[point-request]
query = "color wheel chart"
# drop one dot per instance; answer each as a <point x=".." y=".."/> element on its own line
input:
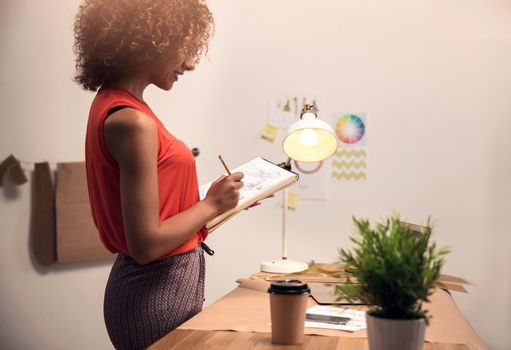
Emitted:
<point x="350" y="161"/>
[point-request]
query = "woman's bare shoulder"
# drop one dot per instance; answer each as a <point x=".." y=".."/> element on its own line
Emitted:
<point x="128" y="133"/>
<point x="129" y="120"/>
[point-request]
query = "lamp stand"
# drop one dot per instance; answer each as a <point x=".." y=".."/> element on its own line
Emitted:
<point x="284" y="265"/>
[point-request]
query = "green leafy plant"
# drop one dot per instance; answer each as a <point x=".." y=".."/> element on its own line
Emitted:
<point x="396" y="269"/>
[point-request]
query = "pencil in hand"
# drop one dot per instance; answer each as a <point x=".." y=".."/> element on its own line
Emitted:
<point x="225" y="165"/>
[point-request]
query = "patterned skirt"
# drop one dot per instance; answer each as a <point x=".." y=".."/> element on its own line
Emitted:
<point x="145" y="302"/>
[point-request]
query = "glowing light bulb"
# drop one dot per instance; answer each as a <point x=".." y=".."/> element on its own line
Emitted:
<point x="308" y="137"/>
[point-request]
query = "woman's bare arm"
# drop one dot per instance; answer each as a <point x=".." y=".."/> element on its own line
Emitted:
<point x="131" y="138"/>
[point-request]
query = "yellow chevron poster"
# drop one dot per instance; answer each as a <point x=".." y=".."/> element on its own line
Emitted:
<point x="350" y="161"/>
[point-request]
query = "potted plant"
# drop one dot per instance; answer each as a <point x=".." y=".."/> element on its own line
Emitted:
<point x="396" y="270"/>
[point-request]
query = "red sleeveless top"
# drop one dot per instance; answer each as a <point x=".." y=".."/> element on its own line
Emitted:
<point x="177" y="177"/>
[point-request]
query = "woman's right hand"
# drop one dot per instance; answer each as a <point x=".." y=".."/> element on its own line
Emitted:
<point x="224" y="192"/>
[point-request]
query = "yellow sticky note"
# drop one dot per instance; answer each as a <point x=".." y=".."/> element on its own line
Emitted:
<point x="292" y="200"/>
<point x="270" y="132"/>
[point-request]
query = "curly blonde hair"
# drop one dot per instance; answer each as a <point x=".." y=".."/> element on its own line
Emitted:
<point x="118" y="37"/>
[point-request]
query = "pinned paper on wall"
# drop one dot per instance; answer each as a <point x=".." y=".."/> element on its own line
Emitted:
<point x="314" y="180"/>
<point x="292" y="200"/>
<point x="270" y="132"/>
<point x="286" y="106"/>
<point x="350" y="161"/>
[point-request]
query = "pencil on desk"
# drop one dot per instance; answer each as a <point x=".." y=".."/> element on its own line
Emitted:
<point x="225" y="165"/>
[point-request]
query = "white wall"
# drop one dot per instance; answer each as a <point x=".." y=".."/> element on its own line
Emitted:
<point x="434" y="76"/>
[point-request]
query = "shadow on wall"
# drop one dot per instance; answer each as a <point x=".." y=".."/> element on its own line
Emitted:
<point x="10" y="190"/>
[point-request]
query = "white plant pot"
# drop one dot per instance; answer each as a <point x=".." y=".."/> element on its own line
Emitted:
<point x="392" y="334"/>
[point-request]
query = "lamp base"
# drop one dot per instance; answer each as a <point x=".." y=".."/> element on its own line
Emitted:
<point x="283" y="266"/>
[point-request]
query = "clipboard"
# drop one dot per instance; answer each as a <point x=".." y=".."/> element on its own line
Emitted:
<point x="262" y="179"/>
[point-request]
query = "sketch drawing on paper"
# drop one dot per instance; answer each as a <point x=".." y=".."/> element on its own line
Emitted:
<point x="261" y="179"/>
<point x="258" y="175"/>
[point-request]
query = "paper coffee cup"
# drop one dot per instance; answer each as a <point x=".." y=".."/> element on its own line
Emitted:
<point x="288" y="304"/>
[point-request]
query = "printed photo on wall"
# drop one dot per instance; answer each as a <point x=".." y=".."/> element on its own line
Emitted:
<point x="350" y="161"/>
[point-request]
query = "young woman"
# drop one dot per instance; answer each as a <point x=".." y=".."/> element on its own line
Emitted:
<point x="142" y="180"/>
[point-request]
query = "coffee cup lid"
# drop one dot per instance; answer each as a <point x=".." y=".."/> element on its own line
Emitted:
<point x="288" y="287"/>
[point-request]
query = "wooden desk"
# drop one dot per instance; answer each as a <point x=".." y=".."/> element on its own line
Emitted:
<point x="228" y="340"/>
<point x="239" y="321"/>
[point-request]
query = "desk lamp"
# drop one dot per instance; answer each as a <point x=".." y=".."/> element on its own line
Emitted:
<point x="307" y="140"/>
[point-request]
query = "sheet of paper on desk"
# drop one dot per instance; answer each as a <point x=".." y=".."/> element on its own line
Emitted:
<point x="357" y="322"/>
